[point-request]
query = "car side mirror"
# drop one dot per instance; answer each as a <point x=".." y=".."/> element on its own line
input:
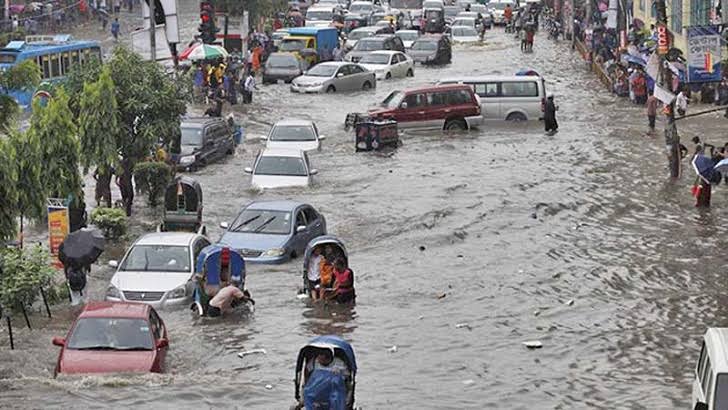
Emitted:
<point x="59" y="341"/>
<point x="339" y="74"/>
<point x="114" y="263"/>
<point x="224" y="225"/>
<point x="313" y="171"/>
<point x="162" y="343"/>
<point x="322" y="137"/>
<point x="700" y="406"/>
<point x="248" y="170"/>
<point x="300" y="229"/>
<point x="403" y="105"/>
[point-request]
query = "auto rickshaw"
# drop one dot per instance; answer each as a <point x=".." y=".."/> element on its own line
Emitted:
<point x="216" y="267"/>
<point x="338" y="250"/>
<point x="183" y="206"/>
<point x="354" y="21"/>
<point x="329" y="386"/>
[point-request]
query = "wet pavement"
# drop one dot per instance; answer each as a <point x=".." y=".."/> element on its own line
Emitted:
<point x="505" y="222"/>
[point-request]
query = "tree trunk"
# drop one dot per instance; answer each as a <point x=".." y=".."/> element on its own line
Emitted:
<point x="124" y="180"/>
<point x="22" y="222"/>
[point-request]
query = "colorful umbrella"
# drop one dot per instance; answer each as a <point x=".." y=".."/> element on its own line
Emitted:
<point x="201" y="51"/>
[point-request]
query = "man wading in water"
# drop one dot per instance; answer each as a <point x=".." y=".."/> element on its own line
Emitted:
<point x="549" y="116"/>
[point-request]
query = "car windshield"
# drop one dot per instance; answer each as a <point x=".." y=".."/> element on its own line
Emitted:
<point x="322" y="70"/>
<point x="498" y="6"/>
<point x="285" y="166"/>
<point x="451" y="11"/>
<point x="375" y="59"/>
<point x="408" y="35"/>
<point x="425" y="45"/>
<point x="433" y="14"/>
<point x="367" y="44"/>
<point x="111" y="334"/>
<point x="321" y="15"/>
<point x="361" y="8"/>
<point x="292" y="133"/>
<point x="292" y="45"/>
<point x="262" y="221"/>
<point x="393" y="99"/>
<point x="405" y="4"/>
<point x="464" y="22"/>
<point x="464" y="32"/>
<point x="478" y="8"/>
<point x="359" y="34"/>
<point x="191" y="136"/>
<point x="157" y="258"/>
<point x="279" y="35"/>
<point x="281" y="61"/>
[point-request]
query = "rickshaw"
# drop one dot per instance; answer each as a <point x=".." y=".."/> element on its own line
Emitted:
<point x="321" y="242"/>
<point x="216" y="267"/>
<point x="331" y="387"/>
<point x="376" y="134"/>
<point x="182" y="206"/>
<point x="354" y="21"/>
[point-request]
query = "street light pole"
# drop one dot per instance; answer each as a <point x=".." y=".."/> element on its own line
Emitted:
<point x="672" y="139"/>
<point x="152" y="31"/>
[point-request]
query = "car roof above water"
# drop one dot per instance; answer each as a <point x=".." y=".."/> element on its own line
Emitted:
<point x="281" y="152"/>
<point x="167" y="238"/>
<point x="280" y="205"/>
<point x="295" y="122"/>
<point x="101" y="309"/>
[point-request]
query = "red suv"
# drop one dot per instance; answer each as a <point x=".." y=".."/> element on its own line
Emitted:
<point x="448" y="107"/>
<point x="114" y="337"/>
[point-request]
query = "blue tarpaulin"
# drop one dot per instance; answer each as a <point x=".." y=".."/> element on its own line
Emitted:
<point x="325" y="390"/>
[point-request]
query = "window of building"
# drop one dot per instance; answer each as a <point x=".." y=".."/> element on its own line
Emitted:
<point x="676" y="10"/>
<point x="699" y="12"/>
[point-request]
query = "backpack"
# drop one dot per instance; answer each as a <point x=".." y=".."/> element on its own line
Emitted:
<point x="76" y="280"/>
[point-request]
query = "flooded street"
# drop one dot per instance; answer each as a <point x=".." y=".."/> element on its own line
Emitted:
<point x="504" y="222"/>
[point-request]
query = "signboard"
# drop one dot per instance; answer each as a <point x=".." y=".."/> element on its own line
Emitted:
<point x="663" y="95"/>
<point x="663" y="40"/>
<point x="166" y="15"/>
<point x="140" y="44"/>
<point x="704" y="54"/>
<point x="58" y="227"/>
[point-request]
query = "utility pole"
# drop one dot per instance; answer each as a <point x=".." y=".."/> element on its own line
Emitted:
<point x="672" y="139"/>
<point x="152" y="31"/>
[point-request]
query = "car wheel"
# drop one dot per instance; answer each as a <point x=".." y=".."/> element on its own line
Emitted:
<point x="516" y="117"/>
<point x="388" y="76"/>
<point x="367" y="85"/>
<point x="456" y="124"/>
<point x="331" y="89"/>
<point x="410" y="73"/>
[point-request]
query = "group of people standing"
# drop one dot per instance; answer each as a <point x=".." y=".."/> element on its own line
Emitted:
<point x="329" y="277"/>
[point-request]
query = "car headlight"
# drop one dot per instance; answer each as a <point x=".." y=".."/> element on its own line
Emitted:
<point x="180" y="292"/>
<point x="187" y="160"/>
<point x="113" y="292"/>
<point x="275" y="252"/>
<point x="315" y="84"/>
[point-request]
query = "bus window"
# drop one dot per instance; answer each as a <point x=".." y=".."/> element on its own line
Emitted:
<point x="46" y="66"/>
<point x="7" y="58"/>
<point x="96" y="53"/>
<point x="55" y="65"/>
<point x="75" y="57"/>
<point x="85" y="56"/>
<point x="66" y="62"/>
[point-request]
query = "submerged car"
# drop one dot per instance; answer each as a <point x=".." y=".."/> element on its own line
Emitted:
<point x="333" y="76"/>
<point x="280" y="167"/>
<point x="388" y="64"/>
<point x="273" y="231"/>
<point x="431" y="49"/>
<point x="113" y="338"/>
<point x="157" y="269"/>
<point x="360" y="33"/>
<point x="378" y="42"/>
<point x="203" y="141"/>
<point x="282" y="67"/>
<point x="294" y="134"/>
<point x="464" y="34"/>
<point x="408" y="37"/>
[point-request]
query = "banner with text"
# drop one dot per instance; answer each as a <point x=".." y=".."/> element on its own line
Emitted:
<point x="58" y="227"/>
<point x="704" y="54"/>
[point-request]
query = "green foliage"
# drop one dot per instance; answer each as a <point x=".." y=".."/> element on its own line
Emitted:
<point x="31" y="196"/>
<point x="8" y="193"/>
<point x="76" y="79"/>
<point x="18" y="34"/>
<point x="152" y="179"/>
<point x="21" y="76"/>
<point x="98" y="122"/>
<point x="112" y="221"/>
<point x="53" y="126"/>
<point x="22" y="274"/>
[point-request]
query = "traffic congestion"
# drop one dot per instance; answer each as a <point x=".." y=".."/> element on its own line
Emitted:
<point x="375" y="200"/>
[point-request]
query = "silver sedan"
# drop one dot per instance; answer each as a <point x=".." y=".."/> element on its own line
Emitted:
<point x="334" y="76"/>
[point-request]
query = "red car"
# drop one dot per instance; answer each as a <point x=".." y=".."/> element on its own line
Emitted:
<point x="114" y="337"/>
<point x="448" y="107"/>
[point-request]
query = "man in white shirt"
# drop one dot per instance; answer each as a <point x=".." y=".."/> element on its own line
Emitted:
<point x="681" y="103"/>
<point x="248" y="87"/>
<point x="314" y="273"/>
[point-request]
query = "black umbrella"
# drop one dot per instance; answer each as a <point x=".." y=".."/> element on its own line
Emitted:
<point x="81" y="248"/>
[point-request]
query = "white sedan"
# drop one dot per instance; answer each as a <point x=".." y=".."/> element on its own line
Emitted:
<point x="294" y="134"/>
<point x="281" y="167"/>
<point x="388" y="64"/>
<point x="464" y="34"/>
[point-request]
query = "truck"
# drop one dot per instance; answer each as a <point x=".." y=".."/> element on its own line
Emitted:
<point x="323" y="40"/>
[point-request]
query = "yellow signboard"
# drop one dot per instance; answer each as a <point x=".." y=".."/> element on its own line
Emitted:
<point x="58" y="229"/>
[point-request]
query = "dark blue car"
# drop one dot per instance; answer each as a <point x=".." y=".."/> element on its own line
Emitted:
<point x="273" y="231"/>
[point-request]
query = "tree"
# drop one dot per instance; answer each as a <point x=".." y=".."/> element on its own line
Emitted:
<point x="53" y="125"/>
<point x="8" y="195"/>
<point x="98" y="128"/>
<point x="18" y="77"/>
<point x="30" y="190"/>
<point x="150" y="105"/>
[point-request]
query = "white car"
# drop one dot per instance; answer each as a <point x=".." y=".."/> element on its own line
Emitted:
<point x="294" y="134"/>
<point x="319" y="16"/>
<point x="388" y="64"/>
<point x="464" y="34"/>
<point x="407" y="36"/>
<point x="157" y="269"/>
<point x="280" y="167"/>
<point x="464" y="21"/>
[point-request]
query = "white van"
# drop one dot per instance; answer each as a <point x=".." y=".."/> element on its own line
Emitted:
<point x="710" y="380"/>
<point x="510" y="98"/>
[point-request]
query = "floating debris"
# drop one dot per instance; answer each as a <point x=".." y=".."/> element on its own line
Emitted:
<point x="392" y="349"/>
<point x="249" y="352"/>
<point x="463" y="325"/>
<point x="533" y="344"/>
<point x="269" y="386"/>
